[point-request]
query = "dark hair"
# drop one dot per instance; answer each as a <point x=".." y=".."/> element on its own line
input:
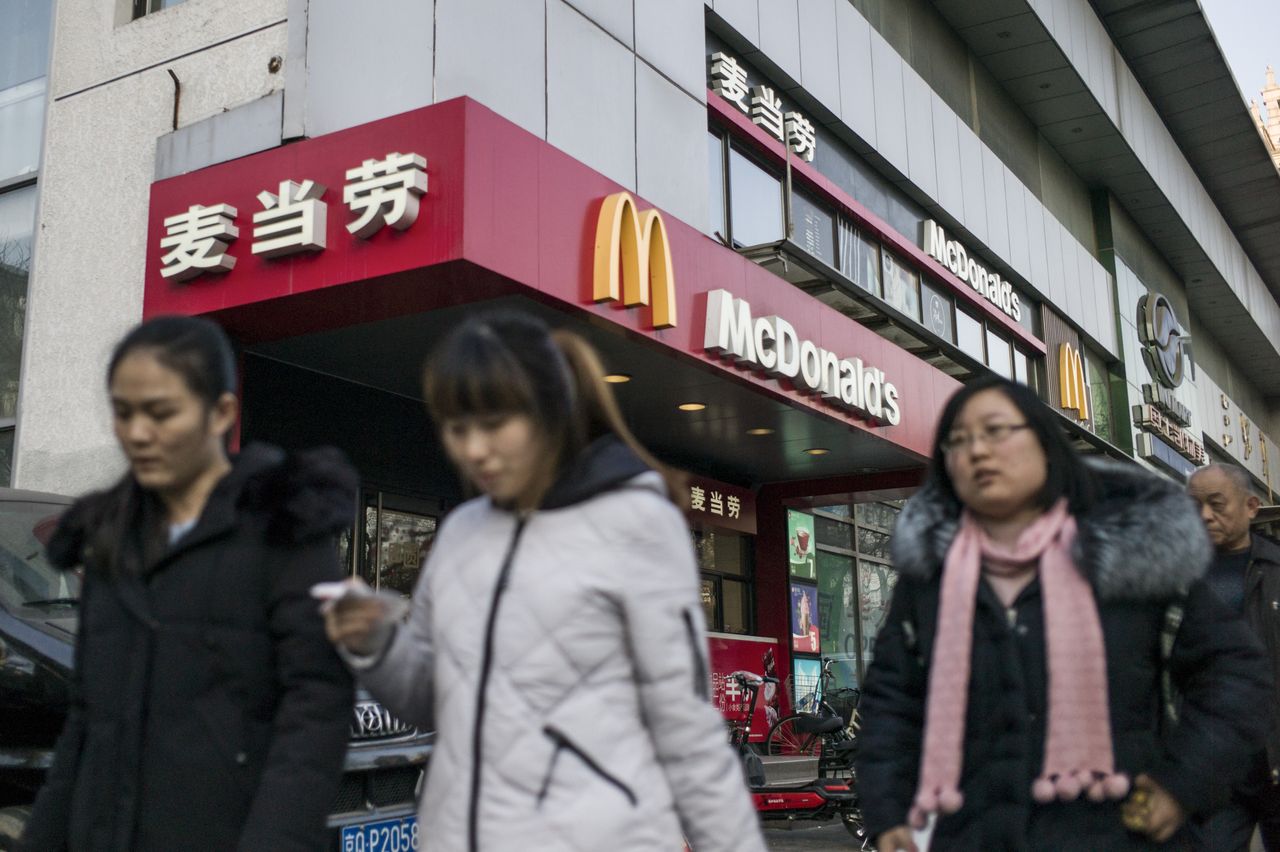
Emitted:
<point x="511" y="362"/>
<point x="1067" y="476"/>
<point x="194" y="348"/>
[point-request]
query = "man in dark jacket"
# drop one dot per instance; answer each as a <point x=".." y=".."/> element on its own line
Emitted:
<point x="1246" y="575"/>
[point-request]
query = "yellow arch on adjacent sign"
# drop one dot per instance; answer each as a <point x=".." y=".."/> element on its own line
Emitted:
<point x="633" y="259"/>
<point x="1072" y="390"/>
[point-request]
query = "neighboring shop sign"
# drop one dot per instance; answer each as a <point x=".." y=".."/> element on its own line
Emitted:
<point x="772" y="345"/>
<point x="1161" y="414"/>
<point x="633" y="259"/>
<point x="801" y="546"/>
<point x="729" y="81"/>
<point x="755" y="654"/>
<point x="1235" y="434"/>
<point x="954" y="257"/>
<point x="379" y="193"/>
<point x="1154" y="450"/>
<point x="721" y="505"/>
<point x="1073" y="390"/>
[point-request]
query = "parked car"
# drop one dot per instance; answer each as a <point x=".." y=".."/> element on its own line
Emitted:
<point x="375" y="806"/>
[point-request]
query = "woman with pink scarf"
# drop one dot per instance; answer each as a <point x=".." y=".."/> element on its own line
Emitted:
<point x="1015" y="699"/>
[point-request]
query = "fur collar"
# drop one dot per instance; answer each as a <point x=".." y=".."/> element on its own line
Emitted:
<point x="1142" y="540"/>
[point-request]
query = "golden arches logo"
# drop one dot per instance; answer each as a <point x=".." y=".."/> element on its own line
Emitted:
<point x="1073" y="393"/>
<point x="633" y="259"/>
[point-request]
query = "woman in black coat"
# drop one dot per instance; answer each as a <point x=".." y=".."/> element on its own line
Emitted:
<point x="1049" y="706"/>
<point x="209" y="712"/>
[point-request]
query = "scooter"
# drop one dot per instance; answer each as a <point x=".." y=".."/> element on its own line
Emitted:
<point x="829" y="794"/>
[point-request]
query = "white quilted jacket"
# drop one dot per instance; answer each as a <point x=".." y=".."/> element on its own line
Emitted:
<point x="579" y="688"/>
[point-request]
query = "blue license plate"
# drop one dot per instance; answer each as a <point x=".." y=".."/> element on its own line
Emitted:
<point x="391" y="835"/>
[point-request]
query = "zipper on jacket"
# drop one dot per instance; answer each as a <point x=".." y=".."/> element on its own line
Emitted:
<point x="563" y="742"/>
<point x="486" y="665"/>
<point x="700" y="677"/>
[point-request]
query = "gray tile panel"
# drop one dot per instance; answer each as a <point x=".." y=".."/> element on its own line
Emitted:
<point x="466" y="29"/>
<point x="670" y="36"/>
<point x="819" y="51"/>
<point x="616" y="17"/>
<point x="922" y="167"/>
<point x="975" y="194"/>
<point x="591" y="97"/>
<point x="857" y="88"/>
<point x="780" y="35"/>
<point x="238" y="132"/>
<point x="997" y="217"/>
<point x="946" y="147"/>
<point x="671" y="148"/>
<point x="742" y="15"/>
<point x="891" y="116"/>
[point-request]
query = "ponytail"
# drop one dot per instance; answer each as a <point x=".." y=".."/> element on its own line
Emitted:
<point x="595" y="410"/>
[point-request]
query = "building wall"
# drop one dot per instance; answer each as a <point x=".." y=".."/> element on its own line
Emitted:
<point x="111" y="98"/>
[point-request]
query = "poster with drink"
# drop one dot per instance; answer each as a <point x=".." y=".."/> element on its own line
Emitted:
<point x="800" y="545"/>
<point x="755" y="654"/>
<point x="806" y="635"/>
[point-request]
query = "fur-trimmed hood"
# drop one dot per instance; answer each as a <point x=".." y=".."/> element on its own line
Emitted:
<point x="1141" y="540"/>
<point x="301" y="496"/>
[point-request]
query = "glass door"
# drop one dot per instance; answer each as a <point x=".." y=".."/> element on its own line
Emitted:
<point x="394" y="533"/>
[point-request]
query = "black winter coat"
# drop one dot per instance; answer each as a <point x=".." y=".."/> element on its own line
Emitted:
<point x="1262" y="612"/>
<point x="1141" y="545"/>
<point x="209" y="711"/>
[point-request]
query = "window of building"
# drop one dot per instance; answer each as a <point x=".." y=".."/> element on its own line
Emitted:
<point x="814" y="228"/>
<point x="999" y="354"/>
<point x="936" y="310"/>
<point x="148" y="7"/>
<point x="1099" y="396"/>
<point x="24" y="68"/>
<point x="724" y="563"/>
<point x="1021" y="367"/>
<point x="755" y="203"/>
<point x="719" y="227"/>
<point x="969" y="336"/>
<point x="901" y="286"/>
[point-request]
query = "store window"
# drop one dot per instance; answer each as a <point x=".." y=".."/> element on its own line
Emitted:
<point x="719" y="227"/>
<point x="1099" y="396"/>
<point x="755" y="202"/>
<point x="859" y="258"/>
<point x="999" y="354"/>
<point x="148" y="7"/>
<point x="1021" y="367"/>
<point x="969" y="336"/>
<point x="936" y="310"/>
<point x="901" y="286"/>
<point x="394" y="536"/>
<point x="24" y="66"/>
<point x="814" y="228"/>
<point x="724" y="563"/>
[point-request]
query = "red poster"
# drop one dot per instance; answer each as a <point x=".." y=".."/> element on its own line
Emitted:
<point x="754" y="654"/>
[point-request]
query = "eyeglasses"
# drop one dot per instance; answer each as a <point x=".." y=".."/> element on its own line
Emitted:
<point x="991" y="435"/>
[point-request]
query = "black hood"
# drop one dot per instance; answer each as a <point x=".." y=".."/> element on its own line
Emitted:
<point x="606" y="464"/>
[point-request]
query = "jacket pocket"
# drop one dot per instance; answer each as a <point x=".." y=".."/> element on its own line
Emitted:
<point x="563" y="743"/>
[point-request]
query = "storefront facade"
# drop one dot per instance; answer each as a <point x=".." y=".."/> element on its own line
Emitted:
<point x="793" y="228"/>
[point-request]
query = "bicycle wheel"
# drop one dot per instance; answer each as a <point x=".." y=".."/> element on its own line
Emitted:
<point x="787" y="738"/>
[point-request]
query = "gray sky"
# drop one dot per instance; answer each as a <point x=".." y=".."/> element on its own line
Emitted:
<point x="1248" y="31"/>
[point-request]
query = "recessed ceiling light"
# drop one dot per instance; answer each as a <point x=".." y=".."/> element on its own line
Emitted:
<point x="1077" y="130"/>
<point x="1046" y="85"/>
<point x="761" y="431"/>
<point x="691" y="406"/>
<point x="1004" y="34"/>
<point x="817" y="451"/>
<point x="617" y="378"/>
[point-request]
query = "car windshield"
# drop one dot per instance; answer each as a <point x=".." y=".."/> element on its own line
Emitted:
<point x="26" y="577"/>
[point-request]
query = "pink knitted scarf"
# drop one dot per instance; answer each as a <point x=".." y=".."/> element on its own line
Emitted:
<point x="1077" y="753"/>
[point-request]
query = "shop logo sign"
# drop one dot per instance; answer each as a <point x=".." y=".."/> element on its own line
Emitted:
<point x="1073" y="391"/>
<point x="951" y="254"/>
<point x="633" y="259"/>
<point x="772" y="345"/>
<point x="1163" y="340"/>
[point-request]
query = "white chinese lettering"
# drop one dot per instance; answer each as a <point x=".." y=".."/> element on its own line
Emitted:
<point x="385" y="192"/>
<point x="766" y="110"/>
<point x="729" y="80"/>
<point x="735" y="506"/>
<point x="292" y="221"/>
<point x="800" y="136"/>
<point x="697" y="498"/>
<point x="197" y="241"/>
<point x="717" y="503"/>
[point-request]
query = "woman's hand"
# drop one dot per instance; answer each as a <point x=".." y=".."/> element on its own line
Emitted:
<point x="896" y="840"/>
<point x="1150" y="810"/>
<point x="357" y="620"/>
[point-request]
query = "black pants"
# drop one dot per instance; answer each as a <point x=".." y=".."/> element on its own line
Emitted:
<point x="1255" y="802"/>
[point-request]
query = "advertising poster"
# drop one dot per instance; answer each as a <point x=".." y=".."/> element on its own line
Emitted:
<point x="753" y="654"/>
<point x="806" y="635"/>
<point x="800" y="545"/>
<point x="804" y="683"/>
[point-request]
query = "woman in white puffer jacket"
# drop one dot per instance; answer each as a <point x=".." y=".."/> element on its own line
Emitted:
<point x="556" y="639"/>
